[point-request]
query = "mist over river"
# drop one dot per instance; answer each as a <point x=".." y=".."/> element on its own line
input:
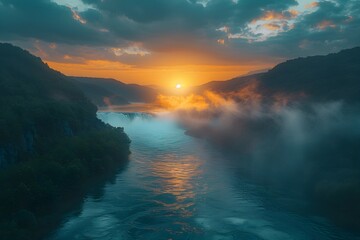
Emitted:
<point x="179" y="187"/>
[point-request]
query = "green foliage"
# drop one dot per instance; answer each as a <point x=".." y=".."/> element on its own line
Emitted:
<point x="50" y="130"/>
<point x="33" y="96"/>
<point x="45" y="180"/>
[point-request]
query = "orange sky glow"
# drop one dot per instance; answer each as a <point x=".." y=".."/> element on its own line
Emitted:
<point x="164" y="76"/>
<point x="177" y="42"/>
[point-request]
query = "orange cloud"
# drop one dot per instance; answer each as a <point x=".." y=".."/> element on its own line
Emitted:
<point x="293" y="13"/>
<point x="76" y="16"/>
<point x="221" y="41"/>
<point x="272" y="15"/>
<point x="312" y="5"/>
<point x="325" y="24"/>
<point x="272" y="26"/>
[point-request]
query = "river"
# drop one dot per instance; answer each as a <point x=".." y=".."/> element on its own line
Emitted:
<point x="179" y="187"/>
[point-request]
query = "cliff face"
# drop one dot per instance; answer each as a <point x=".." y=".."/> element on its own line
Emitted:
<point x="38" y="105"/>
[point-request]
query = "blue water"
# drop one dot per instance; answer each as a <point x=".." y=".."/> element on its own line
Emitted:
<point x="178" y="187"/>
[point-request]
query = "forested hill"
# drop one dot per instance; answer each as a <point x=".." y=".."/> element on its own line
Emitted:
<point x="51" y="143"/>
<point x="37" y="105"/>
<point x="106" y="91"/>
<point x="331" y="77"/>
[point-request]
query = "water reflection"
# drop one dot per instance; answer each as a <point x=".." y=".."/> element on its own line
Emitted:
<point x="177" y="177"/>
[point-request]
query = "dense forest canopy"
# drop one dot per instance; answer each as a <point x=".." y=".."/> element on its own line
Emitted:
<point x="51" y="144"/>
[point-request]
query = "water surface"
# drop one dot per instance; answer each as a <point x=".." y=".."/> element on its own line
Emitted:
<point x="178" y="187"/>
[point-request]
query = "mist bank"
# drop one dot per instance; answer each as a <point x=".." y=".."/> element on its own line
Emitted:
<point x="309" y="149"/>
<point x="295" y="128"/>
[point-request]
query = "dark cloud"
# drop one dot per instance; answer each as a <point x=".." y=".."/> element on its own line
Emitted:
<point x="45" y="20"/>
<point x="187" y="25"/>
<point x="163" y="17"/>
<point x="149" y="11"/>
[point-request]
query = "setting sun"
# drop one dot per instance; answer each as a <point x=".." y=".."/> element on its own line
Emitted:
<point x="178" y="86"/>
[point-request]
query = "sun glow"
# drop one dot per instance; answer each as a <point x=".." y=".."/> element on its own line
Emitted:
<point x="178" y="86"/>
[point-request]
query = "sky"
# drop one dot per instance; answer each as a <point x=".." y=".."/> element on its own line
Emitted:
<point x="169" y="42"/>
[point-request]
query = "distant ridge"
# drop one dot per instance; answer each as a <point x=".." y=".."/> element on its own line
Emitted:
<point x="231" y="85"/>
<point x="108" y="91"/>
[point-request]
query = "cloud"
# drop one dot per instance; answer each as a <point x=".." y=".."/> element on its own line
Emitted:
<point x="330" y="28"/>
<point x="129" y="20"/>
<point x="221" y="41"/>
<point x="209" y="32"/>
<point x="135" y="49"/>
<point x="45" y="20"/>
<point x="77" y="17"/>
<point x="325" y="24"/>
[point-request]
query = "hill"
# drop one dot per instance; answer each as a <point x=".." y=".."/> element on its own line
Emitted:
<point x="51" y="144"/>
<point x="323" y="78"/>
<point x="107" y="91"/>
<point x="231" y="85"/>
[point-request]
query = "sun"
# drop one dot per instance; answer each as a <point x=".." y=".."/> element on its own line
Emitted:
<point x="178" y="86"/>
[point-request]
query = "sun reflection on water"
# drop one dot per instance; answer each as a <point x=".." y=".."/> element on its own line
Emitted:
<point x="177" y="177"/>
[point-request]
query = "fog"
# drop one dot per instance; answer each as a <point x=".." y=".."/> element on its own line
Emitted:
<point x="308" y="149"/>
